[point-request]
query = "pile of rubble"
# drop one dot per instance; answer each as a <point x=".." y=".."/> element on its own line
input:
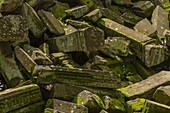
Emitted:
<point x="80" y="56"/>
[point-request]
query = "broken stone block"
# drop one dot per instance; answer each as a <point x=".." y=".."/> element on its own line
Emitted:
<point x="131" y="18"/>
<point x="111" y="15"/>
<point x="68" y="92"/>
<point x="115" y="46"/>
<point x="8" y="67"/>
<point x="160" y="20"/>
<point x="40" y="4"/>
<point x="48" y="110"/>
<point x="33" y="108"/>
<point x="160" y="2"/>
<point x="16" y="98"/>
<point x="66" y="107"/>
<point x="35" y="24"/>
<point x="123" y="2"/>
<point x="77" y="12"/>
<point x="13" y="28"/>
<point x="90" y="100"/>
<point x="115" y="9"/>
<point x="99" y="60"/>
<point x="154" y="107"/>
<point x="58" y="9"/>
<point x="37" y="55"/>
<point x="162" y="95"/>
<point x="78" y="24"/>
<point x="53" y="24"/>
<point x="134" y="78"/>
<point x="143" y="8"/>
<point x="145" y="27"/>
<point x="89" y="3"/>
<point x="57" y="58"/>
<point x="154" y="55"/>
<point x="146" y="87"/>
<point x="45" y="49"/>
<point x="93" y="16"/>
<point x="28" y="82"/>
<point x="86" y="39"/>
<point x="9" y="5"/>
<point x="24" y="59"/>
<point x="166" y="34"/>
<point x="113" y="105"/>
<point x="76" y="76"/>
<point x="103" y="111"/>
<point x="21" y="42"/>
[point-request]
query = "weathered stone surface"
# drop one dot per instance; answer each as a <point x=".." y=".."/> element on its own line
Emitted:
<point x="51" y="22"/>
<point x="90" y="100"/>
<point x="103" y="111"/>
<point x="83" y="77"/>
<point x="13" y="28"/>
<point x="33" y="108"/>
<point x="115" y="46"/>
<point x="160" y="20"/>
<point x="45" y="48"/>
<point x="86" y="39"/>
<point x="15" y="98"/>
<point x="143" y="8"/>
<point x="166" y="34"/>
<point x="21" y="42"/>
<point x="99" y="60"/>
<point x="8" y="67"/>
<point x="77" y="12"/>
<point x="78" y="24"/>
<point x="154" y="54"/>
<point x="35" y="25"/>
<point x="162" y="95"/>
<point x="154" y="107"/>
<point x="145" y="27"/>
<point x="66" y="107"/>
<point x="111" y="15"/>
<point x="68" y="92"/>
<point x="58" y="10"/>
<point x="147" y="86"/>
<point x="113" y="105"/>
<point x="123" y="2"/>
<point x="131" y="18"/>
<point x="89" y="3"/>
<point x="48" y="110"/>
<point x="37" y="55"/>
<point x="57" y="58"/>
<point x="24" y="59"/>
<point x="9" y="5"/>
<point x="160" y="2"/>
<point x="93" y="16"/>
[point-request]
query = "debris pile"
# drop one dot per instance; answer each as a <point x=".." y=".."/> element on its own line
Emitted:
<point x="84" y="56"/>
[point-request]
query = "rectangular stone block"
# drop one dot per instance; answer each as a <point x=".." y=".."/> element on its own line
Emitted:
<point x="16" y="98"/>
<point x="147" y="87"/>
<point x="66" y="107"/>
<point x="93" y="16"/>
<point x="76" y="76"/>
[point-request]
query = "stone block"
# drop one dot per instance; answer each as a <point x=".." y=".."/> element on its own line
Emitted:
<point x="9" y="5"/>
<point x="93" y="16"/>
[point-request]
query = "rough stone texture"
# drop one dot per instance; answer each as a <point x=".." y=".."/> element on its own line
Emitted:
<point x="162" y="95"/>
<point x="57" y="58"/>
<point x="103" y="111"/>
<point x="33" y="108"/>
<point x="8" y="67"/>
<point x="145" y="27"/>
<point x="24" y="59"/>
<point x="111" y="15"/>
<point x="160" y="20"/>
<point x="146" y="87"/>
<point x="9" y="5"/>
<point x="66" y="107"/>
<point x="77" y="24"/>
<point x="143" y="8"/>
<point x="13" y="28"/>
<point x="49" y="110"/>
<point x="77" y="12"/>
<point x="19" y="97"/>
<point x="167" y="37"/>
<point x="115" y="46"/>
<point x="37" y="55"/>
<point x="93" y="16"/>
<point x="45" y="49"/>
<point x="123" y="2"/>
<point x="35" y="24"/>
<point x="86" y="39"/>
<point x="160" y="2"/>
<point x="90" y="100"/>
<point x="51" y="22"/>
<point x="83" y="77"/>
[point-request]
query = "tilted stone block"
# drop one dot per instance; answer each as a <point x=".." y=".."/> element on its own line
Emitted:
<point x="166" y="34"/>
<point x="78" y="24"/>
<point x="13" y="28"/>
<point x="9" y="5"/>
<point x="16" y="98"/>
<point x="45" y="48"/>
<point x="35" y="24"/>
<point x="93" y="16"/>
<point x="82" y="77"/>
<point x="162" y="95"/>
<point x="51" y="22"/>
<point x="123" y="2"/>
<point x="146" y="87"/>
<point x="160" y="20"/>
<point x="9" y="69"/>
<point x="66" y="107"/>
<point x="49" y="110"/>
